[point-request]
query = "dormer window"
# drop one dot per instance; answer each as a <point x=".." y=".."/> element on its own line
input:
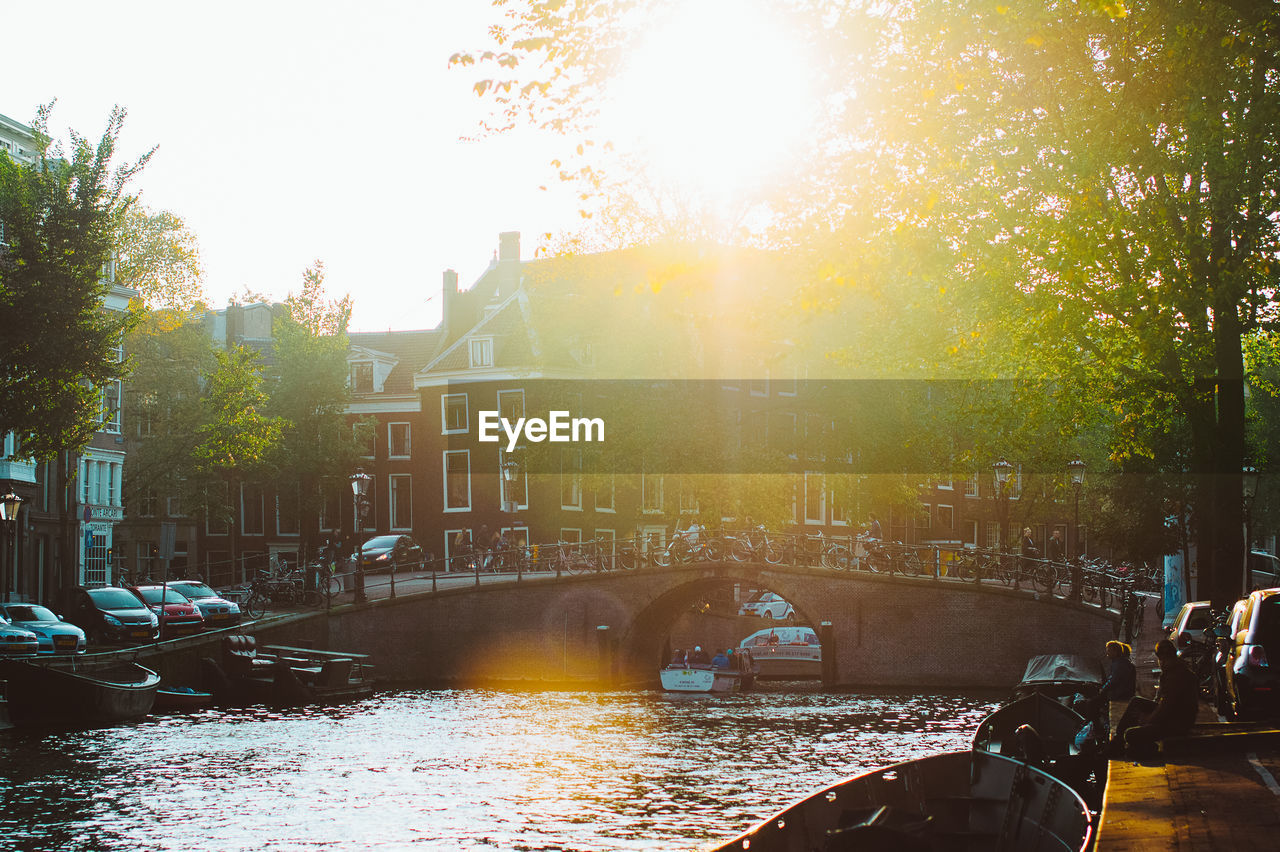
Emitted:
<point x="482" y="352"/>
<point x="362" y="377"/>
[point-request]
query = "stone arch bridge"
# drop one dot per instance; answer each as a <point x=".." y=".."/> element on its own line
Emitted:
<point x="612" y="627"/>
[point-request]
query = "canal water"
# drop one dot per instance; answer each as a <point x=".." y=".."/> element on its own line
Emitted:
<point x="462" y="769"/>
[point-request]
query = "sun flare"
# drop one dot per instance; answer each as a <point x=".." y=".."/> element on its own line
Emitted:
<point x="715" y="98"/>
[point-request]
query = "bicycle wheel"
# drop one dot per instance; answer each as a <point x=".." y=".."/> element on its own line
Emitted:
<point x="312" y="598"/>
<point x="912" y="565"/>
<point x="334" y="587"/>
<point x="772" y="553"/>
<point x="836" y="557"/>
<point x="1044" y="577"/>
<point x="255" y="606"/>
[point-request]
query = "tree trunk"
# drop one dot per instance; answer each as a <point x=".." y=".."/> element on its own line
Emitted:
<point x="1226" y="553"/>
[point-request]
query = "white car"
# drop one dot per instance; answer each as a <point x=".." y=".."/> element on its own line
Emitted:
<point x="768" y="605"/>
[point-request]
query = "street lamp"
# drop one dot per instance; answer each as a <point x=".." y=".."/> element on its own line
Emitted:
<point x="1002" y="469"/>
<point x="9" y="505"/>
<point x="1075" y="470"/>
<point x="1249" y="490"/>
<point x="360" y="494"/>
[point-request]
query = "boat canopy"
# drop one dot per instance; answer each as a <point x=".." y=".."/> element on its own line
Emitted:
<point x="781" y="636"/>
<point x="1057" y="668"/>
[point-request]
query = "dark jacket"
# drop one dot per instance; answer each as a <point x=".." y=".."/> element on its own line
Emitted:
<point x="1122" y="680"/>
<point x="1179" y="697"/>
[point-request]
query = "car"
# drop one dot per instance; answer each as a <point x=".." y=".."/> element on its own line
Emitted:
<point x="112" y="614"/>
<point x="54" y="635"/>
<point x="1253" y="684"/>
<point x="16" y="640"/>
<point x="383" y="552"/>
<point x="217" y="610"/>
<point x="1189" y="625"/>
<point x="1264" y="570"/>
<point x="768" y="605"/>
<point x="178" y="615"/>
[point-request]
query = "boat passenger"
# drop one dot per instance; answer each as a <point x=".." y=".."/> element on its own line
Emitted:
<point x="699" y="657"/>
<point x="677" y="659"/>
<point x="720" y="661"/>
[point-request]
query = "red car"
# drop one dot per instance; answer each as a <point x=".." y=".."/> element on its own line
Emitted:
<point x="178" y="616"/>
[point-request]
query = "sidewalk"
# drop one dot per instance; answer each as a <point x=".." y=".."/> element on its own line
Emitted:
<point x="1214" y="789"/>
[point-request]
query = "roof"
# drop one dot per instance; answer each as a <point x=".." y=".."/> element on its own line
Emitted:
<point x="411" y="349"/>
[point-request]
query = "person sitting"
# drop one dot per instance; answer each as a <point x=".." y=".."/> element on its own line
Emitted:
<point x="677" y="659"/>
<point x="720" y="660"/>
<point x="1146" y="722"/>
<point x="699" y="657"/>
<point x="1122" y="677"/>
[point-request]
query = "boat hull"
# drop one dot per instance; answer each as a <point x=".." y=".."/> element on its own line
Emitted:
<point x="700" y="680"/>
<point x="40" y="693"/>
<point x="972" y="801"/>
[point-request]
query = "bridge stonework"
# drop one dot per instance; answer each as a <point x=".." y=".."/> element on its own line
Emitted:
<point x="885" y="631"/>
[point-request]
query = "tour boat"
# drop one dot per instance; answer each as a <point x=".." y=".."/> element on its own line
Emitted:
<point x="785" y="653"/>
<point x="956" y="800"/>
<point x="686" y="677"/>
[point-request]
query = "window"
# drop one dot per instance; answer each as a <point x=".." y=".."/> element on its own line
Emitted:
<point x="362" y="377"/>
<point x="110" y="402"/>
<point x="650" y="492"/>
<point x="147" y="503"/>
<point x="606" y="494"/>
<point x="971" y="485"/>
<point x="252" y="509"/>
<point x="782" y="432"/>
<point x="457" y="480"/>
<point x="569" y="535"/>
<point x="970" y="536"/>
<point x="511" y="405"/>
<point x="839" y="514"/>
<point x="571" y="479"/>
<point x="924" y="517"/>
<point x="173" y="506"/>
<point x="482" y="352"/>
<point x="946" y="518"/>
<point x="453" y="413"/>
<point x="287" y="511"/>
<point x="398" y="440"/>
<point x="401" y="495"/>
<point x="815" y="492"/>
<point x="331" y="494"/>
<point x="946" y="484"/>
<point x="992" y="538"/>
<point x="365" y="437"/>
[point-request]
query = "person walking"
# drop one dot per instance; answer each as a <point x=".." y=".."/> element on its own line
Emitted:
<point x="1054" y="549"/>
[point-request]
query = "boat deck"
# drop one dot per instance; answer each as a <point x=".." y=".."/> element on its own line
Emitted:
<point x="1213" y="789"/>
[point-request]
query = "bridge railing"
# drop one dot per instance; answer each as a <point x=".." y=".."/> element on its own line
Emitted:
<point x="1089" y="581"/>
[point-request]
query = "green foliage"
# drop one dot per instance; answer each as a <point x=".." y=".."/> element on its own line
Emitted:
<point x="160" y="258"/>
<point x="59" y="343"/>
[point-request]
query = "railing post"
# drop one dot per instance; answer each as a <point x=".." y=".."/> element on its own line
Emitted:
<point x="434" y="573"/>
<point x="516" y="555"/>
<point x="937" y="563"/>
<point x="476" y="562"/>
<point x="393" y="579"/>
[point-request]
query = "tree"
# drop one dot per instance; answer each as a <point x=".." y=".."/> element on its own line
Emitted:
<point x="60" y="344"/>
<point x="1079" y="195"/>
<point x="160" y="258"/>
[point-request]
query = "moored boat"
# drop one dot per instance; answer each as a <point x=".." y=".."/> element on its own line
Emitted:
<point x="785" y="653"/>
<point x="1041" y="731"/>
<point x="48" y="691"/>
<point x="181" y="698"/>
<point x="1061" y="677"/>
<point x="967" y="800"/>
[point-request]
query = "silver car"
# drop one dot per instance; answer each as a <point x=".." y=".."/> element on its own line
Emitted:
<point x="217" y="611"/>
<point x="53" y="634"/>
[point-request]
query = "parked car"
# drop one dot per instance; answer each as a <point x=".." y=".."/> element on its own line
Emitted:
<point x="112" y="614"/>
<point x="1253" y="684"/>
<point x="1190" y="623"/>
<point x="217" y="610"/>
<point x="15" y="640"/>
<point x="768" y="605"/>
<point x="1264" y="570"/>
<point x="178" y="615"/>
<point x="54" y="635"/>
<point x="382" y="552"/>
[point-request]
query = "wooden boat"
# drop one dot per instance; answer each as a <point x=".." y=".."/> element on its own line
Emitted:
<point x="686" y="677"/>
<point x="286" y="676"/>
<point x="181" y="698"/>
<point x="785" y="653"/>
<point x="1041" y="731"/>
<point x="967" y="800"/>
<point x="64" y="691"/>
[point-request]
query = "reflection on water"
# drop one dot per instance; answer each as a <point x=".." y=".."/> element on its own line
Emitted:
<point x="464" y="769"/>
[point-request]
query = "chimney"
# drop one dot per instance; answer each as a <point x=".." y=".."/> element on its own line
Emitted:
<point x="448" y="293"/>
<point x="509" y="246"/>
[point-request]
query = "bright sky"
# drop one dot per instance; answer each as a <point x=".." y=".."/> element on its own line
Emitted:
<point x="292" y="131"/>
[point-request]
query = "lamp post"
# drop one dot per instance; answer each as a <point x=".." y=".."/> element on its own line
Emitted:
<point x="1248" y="491"/>
<point x="510" y="473"/>
<point x="360" y="494"/>
<point x="9" y="505"/>
<point x="1002" y="469"/>
<point x="1075" y="470"/>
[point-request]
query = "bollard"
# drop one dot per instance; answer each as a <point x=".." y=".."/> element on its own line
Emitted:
<point x="827" y="639"/>
<point x="605" y="648"/>
<point x="393" y="579"/>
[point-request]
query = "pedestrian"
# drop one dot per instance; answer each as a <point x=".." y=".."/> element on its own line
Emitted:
<point x="1146" y="722"/>
<point x="1055" y="549"/>
<point x="1029" y="549"/>
<point x="873" y="527"/>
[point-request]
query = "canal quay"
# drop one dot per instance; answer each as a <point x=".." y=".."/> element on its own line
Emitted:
<point x="579" y="763"/>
